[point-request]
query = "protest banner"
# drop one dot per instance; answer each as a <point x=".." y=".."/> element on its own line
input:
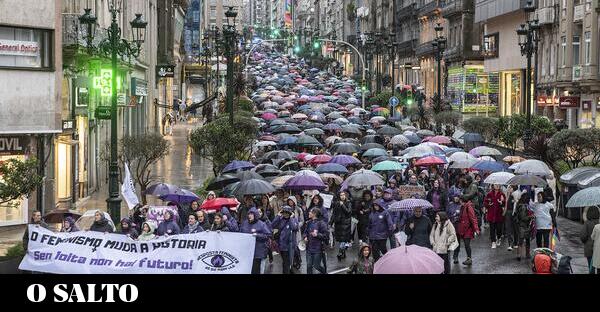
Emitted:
<point x="88" y="252"/>
<point x="411" y="191"/>
<point x="157" y="213"/>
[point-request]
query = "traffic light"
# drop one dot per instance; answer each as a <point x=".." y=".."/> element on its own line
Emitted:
<point x="297" y="49"/>
<point x="409" y="97"/>
<point x="316" y="44"/>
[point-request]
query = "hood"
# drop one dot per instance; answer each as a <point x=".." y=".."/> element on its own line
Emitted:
<point x="225" y="212"/>
<point x="211" y="193"/>
<point x="293" y="198"/>
<point x="287" y="209"/>
<point x="129" y="223"/>
<point x="362" y="247"/>
<point x="254" y="211"/>
<point x="389" y="191"/>
<point x="72" y="222"/>
<point x="320" y="204"/>
<point x="150" y="225"/>
<point x="102" y="220"/>
<point x="380" y="203"/>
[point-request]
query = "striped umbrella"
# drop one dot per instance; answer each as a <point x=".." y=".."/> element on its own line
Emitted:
<point x="410" y="204"/>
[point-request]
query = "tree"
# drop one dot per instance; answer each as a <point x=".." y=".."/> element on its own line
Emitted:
<point x="508" y="133"/>
<point x="485" y="126"/>
<point x="18" y="178"/>
<point x="421" y="115"/>
<point x="221" y="143"/>
<point x="576" y="147"/>
<point x="448" y="119"/>
<point x="511" y="129"/>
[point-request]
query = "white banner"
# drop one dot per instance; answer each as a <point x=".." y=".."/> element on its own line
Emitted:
<point x="89" y="252"/>
<point x="20" y="48"/>
<point x="128" y="189"/>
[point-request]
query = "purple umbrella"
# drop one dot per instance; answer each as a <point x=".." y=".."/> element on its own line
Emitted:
<point x="410" y="204"/>
<point x="181" y="196"/>
<point x="410" y="259"/>
<point x="237" y="164"/>
<point x="344" y="160"/>
<point x="161" y="189"/>
<point x="304" y="182"/>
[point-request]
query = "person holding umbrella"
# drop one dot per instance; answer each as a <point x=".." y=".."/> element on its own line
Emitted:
<point x="586" y="235"/>
<point x="381" y="227"/>
<point x="258" y="229"/>
<point x="418" y="229"/>
<point x="341" y="220"/>
<point x="315" y="235"/>
<point x="494" y="202"/>
<point x="467" y="227"/>
<point x="525" y="222"/>
<point x="361" y="213"/>
<point x="286" y="225"/>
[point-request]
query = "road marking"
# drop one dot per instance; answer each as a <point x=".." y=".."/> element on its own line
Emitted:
<point x="339" y="271"/>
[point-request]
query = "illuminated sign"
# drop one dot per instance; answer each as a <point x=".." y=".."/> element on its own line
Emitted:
<point x="104" y="82"/>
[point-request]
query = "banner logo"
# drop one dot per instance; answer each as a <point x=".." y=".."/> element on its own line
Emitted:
<point x="218" y="260"/>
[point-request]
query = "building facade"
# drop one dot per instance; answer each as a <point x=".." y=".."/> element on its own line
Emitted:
<point x="30" y="104"/>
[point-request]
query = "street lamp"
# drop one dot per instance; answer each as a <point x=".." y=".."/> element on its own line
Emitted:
<point x="439" y="45"/>
<point x="230" y="36"/>
<point x="528" y="42"/>
<point x="114" y="46"/>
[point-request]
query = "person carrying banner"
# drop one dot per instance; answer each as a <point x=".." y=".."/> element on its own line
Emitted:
<point x="219" y="224"/>
<point x="147" y="232"/>
<point x="168" y="226"/>
<point x="36" y="218"/>
<point x="286" y="225"/>
<point x="258" y="229"/>
<point x="192" y="226"/>
<point x="128" y="229"/>
<point x="202" y="218"/>
<point x="69" y="226"/>
<point x="101" y="224"/>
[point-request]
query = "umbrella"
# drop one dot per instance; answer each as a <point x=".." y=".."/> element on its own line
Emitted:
<point x="345" y="160"/>
<point x="368" y="146"/>
<point x="463" y="164"/>
<point x="400" y="139"/>
<point x="513" y="159"/>
<point x="585" y="198"/>
<point x="527" y="179"/>
<point x="472" y="137"/>
<point x="429" y="161"/>
<point x="418" y="151"/>
<point x="341" y="121"/>
<point x="289" y="164"/>
<point x="335" y="115"/>
<point x="268" y="116"/>
<point x="332" y="139"/>
<point x="489" y="166"/>
<point x="350" y="129"/>
<point x="331" y="168"/>
<point x="265" y="143"/>
<point x="160" y="189"/>
<point x="412" y="137"/>
<point x="320" y="159"/>
<point x="332" y="127"/>
<point x="248" y="175"/>
<point x="236" y="165"/>
<point x="375" y="152"/>
<point x="279" y="154"/>
<point x="344" y="148"/>
<point x="182" y="196"/>
<point x="379" y="159"/>
<point x="377" y="119"/>
<point x="278" y="182"/>
<point x="287" y="128"/>
<point x="87" y="219"/>
<point x="373" y="138"/>
<point x="410" y="204"/>
<point x="389" y="165"/>
<point x="304" y="183"/>
<point x="288" y="140"/>
<point x="532" y="166"/>
<point x="326" y="176"/>
<point x="389" y="131"/>
<point x="439" y="139"/>
<point x="307" y="140"/>
<point x="484" y="151"/>
<point x="299" y="116"/>
<point x="307" y="172"/>
<point x="59" y="215"/>
<point x="253" y="187"/>
<point x="221" y="181"/>
<point x="460" y="156"/>
<point x="500" y="178"/>
<point x="314" y="131"/>
<point x="411" y="259"/>
<point x="425" y="133"/>
<point x="488" y="158"/>
<point x="364" y="178"/>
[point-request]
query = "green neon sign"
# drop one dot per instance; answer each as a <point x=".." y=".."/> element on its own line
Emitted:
<point x="104" y="82"/>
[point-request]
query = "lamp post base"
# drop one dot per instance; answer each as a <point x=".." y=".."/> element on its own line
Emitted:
<point x="114" y="209"/>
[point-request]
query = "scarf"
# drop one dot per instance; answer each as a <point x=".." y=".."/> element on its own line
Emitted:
<point x="193" y="227"/>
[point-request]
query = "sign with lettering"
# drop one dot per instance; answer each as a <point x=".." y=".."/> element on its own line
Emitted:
<point x="411" y="191"/>
<point x="20" y="48"/>
<point x="569" y="102"/>
<point x="103" y="112"/>
<point x="67" y="125"/>
<point x="165" y="71"/>
<point x="13" y="145"/>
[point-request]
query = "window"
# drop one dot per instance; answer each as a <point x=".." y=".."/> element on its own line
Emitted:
<point x="491" y="45"/>
<point x="588" y="5"/>
<point x="563" y="44"/>
<point x="26" y="48"/>
<point x="576" y="50"/>
<point x="564" y="8"/>
<point x="588" y="47"/>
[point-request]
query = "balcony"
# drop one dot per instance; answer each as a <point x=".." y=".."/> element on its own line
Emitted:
<point x="428" y="9"/>
<point x="407" y="47"/>
<point x="452" y="8"/>
<point x="407" y="12"/>
<point x="425" y="49"/>
<point x="579" y="13"/>
<point x="577" y="73"/>
<point x="545" y="15"/>
<point x="72" y="35"/>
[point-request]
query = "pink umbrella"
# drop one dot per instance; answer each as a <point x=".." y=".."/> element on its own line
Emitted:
<point x="320" y="159"/>
<point x="410" y="259"/>
<point x="268" y="116"/>
<point x="438" y="139"/>
<point x="302" y="156"/>
<point x="430" y="161"/>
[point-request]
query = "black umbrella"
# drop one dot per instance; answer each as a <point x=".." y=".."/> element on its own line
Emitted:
<point x="344" y="148"/>
<point x="279" y="154"/>
<point x="222" y="181"/>
<point x="369" y="146"/>
<point x="389" y="131"/>
<point x="287" y="128"/>
<point x="249" y="175"/>
<point x="306" y="140"/>
<point x="253" y="187"/>
<point x="59" y="215"/>
<point x="289" y="172"/>
<point x="351" y="129"/>
<point x="373" y="138"/>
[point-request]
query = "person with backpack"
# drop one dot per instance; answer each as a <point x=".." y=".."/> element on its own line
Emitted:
<point x="586" y="235"/>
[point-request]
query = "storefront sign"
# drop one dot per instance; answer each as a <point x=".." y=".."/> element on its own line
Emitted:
<point x="20" y="48"/>
<point x="139" y="87"/>
<point x="13" y="145"/>
<point x="569" y="102"/>
<point x="103" y="112"/>
<point x="586" y="105"/>
<point x="165" y="71"/>
<point x="68" y="125"/>
<point x="541" y="100"/>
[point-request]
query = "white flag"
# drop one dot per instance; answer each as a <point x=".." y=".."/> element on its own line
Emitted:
<point x="128" y="189"/>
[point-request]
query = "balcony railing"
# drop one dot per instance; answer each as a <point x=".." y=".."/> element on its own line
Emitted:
<point x="425" y="49"/>
<point x="579" y="13"/>
<point x="545" y="15"/>
<point x="452" y="7"/>
<point x="428" y="8"/>
<point x="406" y="11"/>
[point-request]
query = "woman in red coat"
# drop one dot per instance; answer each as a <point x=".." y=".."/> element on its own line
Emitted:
<point x="467" y="227"/>
<point x="493" y="203"/>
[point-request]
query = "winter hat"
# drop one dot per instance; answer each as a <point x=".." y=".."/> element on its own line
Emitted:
<point x="389" y="191"/>
<point x="287" y="208"/>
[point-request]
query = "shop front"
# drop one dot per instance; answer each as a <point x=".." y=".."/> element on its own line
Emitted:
<point x="66" y="153"/>
<point x="571" y="104"/>
<point x="14" y="147"/>
<point x="137" y="112"/>
<point x="472" y="90"/>
<point x="512" y="95"/>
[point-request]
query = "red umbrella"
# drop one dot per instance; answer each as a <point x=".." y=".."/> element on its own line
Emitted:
<point x="320" y="159"/>
<point x="268" y="116"/>
<point x="301" y="156"/>
<point x="430" y="161"/>
<point x="440" y="139"/>
<point x="217" y="203"/>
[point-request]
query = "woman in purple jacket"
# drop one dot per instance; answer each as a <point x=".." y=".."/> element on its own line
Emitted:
<point x="315" y="236"/>
<point x="381" y="227"/>
<point x="252" y="225"/>
<point x="287" y="226"/>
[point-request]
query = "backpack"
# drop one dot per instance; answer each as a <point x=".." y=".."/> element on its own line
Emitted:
<point x="564" y="265"/>
<point x="542" y="264"/>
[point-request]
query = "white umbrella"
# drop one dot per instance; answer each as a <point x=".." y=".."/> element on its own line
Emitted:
<point x="400" y="139"/>
<point x="532" y="166"/>
<point x="500" y="178"/>
<point x="87" y="219"/>
<point x="460" y="156"/>
<point x="265" y="143"/>
<point x="308" y="173"/>
<point x="488" y="158"/>
<point x="418" y="151"/>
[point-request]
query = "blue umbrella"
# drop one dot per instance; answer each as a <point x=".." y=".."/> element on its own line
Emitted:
<point x="332" y="127"/>
<point x="289" y="140"/>
<point x="375" y="152"/>
<point x="237" y="164"/>
<point x="181" y="197"/>
<point x="489" y="166"/>
<point x="331" y="168"/>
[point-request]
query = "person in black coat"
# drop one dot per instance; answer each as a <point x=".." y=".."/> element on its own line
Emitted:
<point x="127" y="228"/>
<point x="101" y="224"/>
<point x="418" y="228"/>
<point x="361" y="213"/>
<point x="341" y="220"/>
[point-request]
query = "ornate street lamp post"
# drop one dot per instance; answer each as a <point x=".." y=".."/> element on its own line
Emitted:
<point x="206" y="54"/>
<point x="230" y="37"/>
<point x="439" y="45"/>
<point x="114" y="46"/>
<point x="528" y="41"/>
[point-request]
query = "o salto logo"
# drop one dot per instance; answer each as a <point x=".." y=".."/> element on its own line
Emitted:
<point x="218" y="260"/>
<point x="83" y="293"/>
